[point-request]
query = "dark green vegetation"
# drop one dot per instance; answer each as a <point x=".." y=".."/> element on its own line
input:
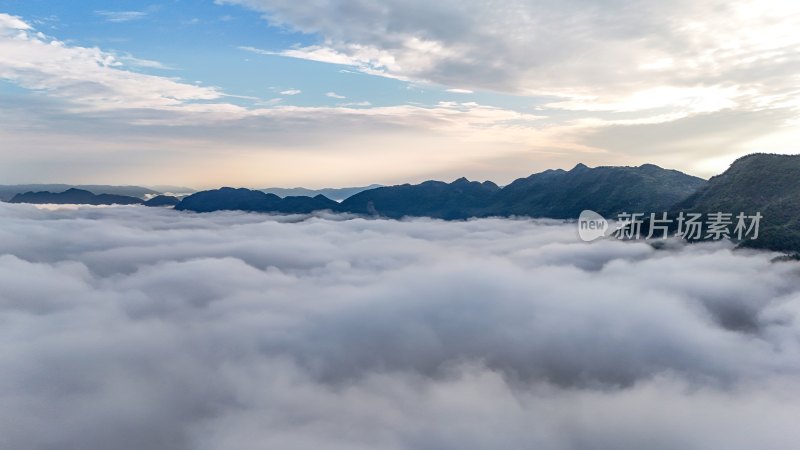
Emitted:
<point x="560" y="194"/>
<point x="765" y="183"/>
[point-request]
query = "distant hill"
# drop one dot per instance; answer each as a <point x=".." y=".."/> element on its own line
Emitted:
<point x="765" y="183"/>
<point x="7" y="192"/>
<point x="560" y="194"/>
<point x="164" y="189"/>
<point x="162" y="200"/>
<point x="460" y="199"/>
<point x="337" y="194"/>
<point x="255" y="201"/>
<point x="74" y="196"/>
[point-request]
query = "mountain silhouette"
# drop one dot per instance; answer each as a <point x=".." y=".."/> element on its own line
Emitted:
<point x="241" y="199"/>
<point x="337" y="194"/>
<point x="460" y="199"/>
<point x="75" y="196"/>
<point x="228" y="198"/>
<point x="768" y="184"/>
<point x="560" y="194"/>
<point x="7" y="192"/>
<point x="557" y="194"/>
<point x="162" y="200"/>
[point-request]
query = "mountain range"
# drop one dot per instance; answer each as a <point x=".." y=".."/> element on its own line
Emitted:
<point x="7" y="192"/>
<point x="765" y="183"/>
<point x="231" y="199"/>
<point x="555" y="194"/>
<point x="74" y="196"/>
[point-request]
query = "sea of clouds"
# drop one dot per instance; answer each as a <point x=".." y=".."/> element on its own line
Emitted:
<point x="133" y="328"/>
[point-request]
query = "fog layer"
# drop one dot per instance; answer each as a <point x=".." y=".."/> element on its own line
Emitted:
<point x="133" y="328"/>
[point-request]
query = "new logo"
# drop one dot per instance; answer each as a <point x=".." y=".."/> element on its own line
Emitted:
<point x="592" y="226"/>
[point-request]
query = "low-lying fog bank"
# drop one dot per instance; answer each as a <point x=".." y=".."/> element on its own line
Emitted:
<point x="134" y="329"/>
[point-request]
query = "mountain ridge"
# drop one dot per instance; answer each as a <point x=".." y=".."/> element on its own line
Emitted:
<point x="607" y="190"/>
<point x="761" y="182"/>
<point x="8" y="191"/>
<point x="553" y="193"/>
<point x="242" y="199"/>
<point x="337" y="194"/>
<point x="765" y="183"/>
<point x="74" y="196"/>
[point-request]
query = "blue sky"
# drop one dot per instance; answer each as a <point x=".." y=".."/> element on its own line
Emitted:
<point x="333" y="93"/>
<point x="172" y="33"/>
<point x="203" y="41"/>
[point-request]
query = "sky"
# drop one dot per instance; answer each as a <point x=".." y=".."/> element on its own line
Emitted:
<point x="132" y="328"/>
<point x="331" y="93"/>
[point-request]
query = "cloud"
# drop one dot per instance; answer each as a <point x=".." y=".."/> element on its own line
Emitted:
<point x="334" y="95"/>
<point x="460" y="91"/>
<point x="122" y="16"/>
<point x="362" y="103"/>
<point x="133" y="61"/>
<point x="135" y="328"/>
<point x="601" y="53"/>
<point x="254" y="50"/>
<point x="9" y="23"/>
<point x="89" y="78"/>
<point x="113" y="124"/>
<point x="291" y="92"/>
<point x="143" y="145"/>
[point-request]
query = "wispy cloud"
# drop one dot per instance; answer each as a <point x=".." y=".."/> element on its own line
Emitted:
<point x="121" y="16"/>
<point x="133" y="61"/>
<point x="362" y="103"/>
<point x="87" y="77"/>
<point x="460" y="91"/>
<point x="255" y="50"/>
<point x="334" y="95"/>
<point x="291" y="92"/>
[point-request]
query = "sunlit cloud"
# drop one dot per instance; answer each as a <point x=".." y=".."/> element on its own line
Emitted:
<point x="685" y="87"/>
<point x="525" y="47"/>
